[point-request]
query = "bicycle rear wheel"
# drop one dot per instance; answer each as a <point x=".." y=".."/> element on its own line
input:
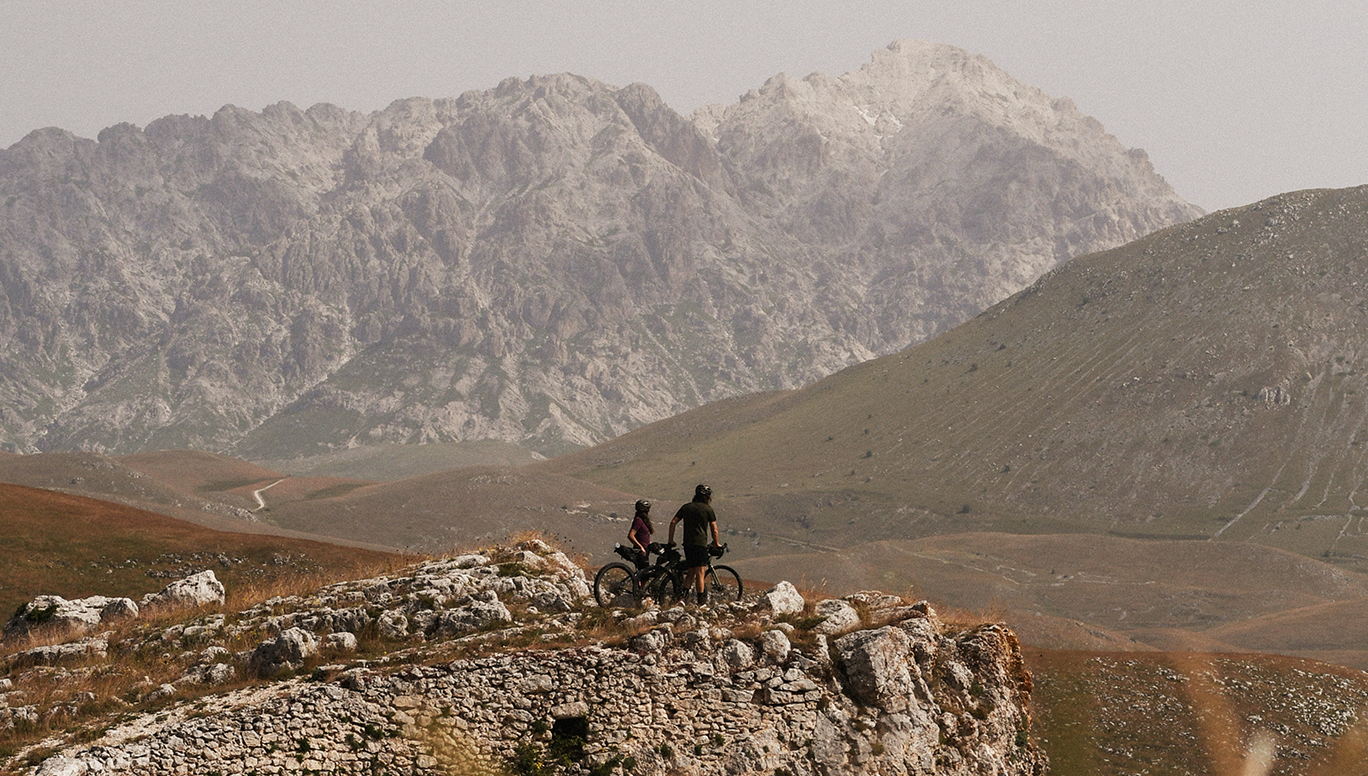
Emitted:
<point x="723" y="584"/>
<point x="615" y="585"/>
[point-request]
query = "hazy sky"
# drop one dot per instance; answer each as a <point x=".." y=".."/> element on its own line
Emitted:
<point x="1234" y="101"/>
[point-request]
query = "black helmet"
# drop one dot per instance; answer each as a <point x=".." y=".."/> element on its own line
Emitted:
<point x="643" y="506"/>
<point x="702" y="490"/>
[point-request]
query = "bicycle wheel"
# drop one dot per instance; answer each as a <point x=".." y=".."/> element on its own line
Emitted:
<point x="615" y="585"/>
<point x="665" y="587"/>
<point x="723" y="584"/>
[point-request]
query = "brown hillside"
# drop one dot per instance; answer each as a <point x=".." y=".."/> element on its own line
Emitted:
<point x="1117" y="714"/>
<point x="1199" y="382"/>
<point x="1060" y="591"/>
<point x="76" y="547"/>
<point x="194" y="471"/>
<point x="464" y="507"/>
<point x="1337" y="627"/>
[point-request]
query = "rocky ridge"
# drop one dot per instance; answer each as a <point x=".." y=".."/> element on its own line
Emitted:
<point x="497" y="661"/>
<point x="550" y="262"/>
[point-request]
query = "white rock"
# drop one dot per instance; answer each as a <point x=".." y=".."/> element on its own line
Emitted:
<point x="195" y="590"/>
<point x="837" y="616"/>
<point x="62" y="766"/>
<point x="784" y="599"/>
<point x="737" y="655"/>
<point x="343" y="642"/>
<point x="774" y="645"/>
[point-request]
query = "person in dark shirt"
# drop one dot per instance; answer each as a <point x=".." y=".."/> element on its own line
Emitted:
<point x="699" y="521"/>
<point x="640" y="533"/>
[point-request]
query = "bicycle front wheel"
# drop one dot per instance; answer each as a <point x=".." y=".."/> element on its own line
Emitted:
<point x="615" y="585"/>
<point x="723" y="584"/>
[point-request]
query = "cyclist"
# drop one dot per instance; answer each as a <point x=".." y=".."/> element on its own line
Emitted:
<point x="699" y="520"/>
<point x="640" y="534"/>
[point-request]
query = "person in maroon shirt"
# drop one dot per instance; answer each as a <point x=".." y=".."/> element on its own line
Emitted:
<point x="640" y="533"/>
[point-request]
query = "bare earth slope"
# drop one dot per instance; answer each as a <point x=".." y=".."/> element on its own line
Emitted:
<point x="550" y="262"/>
<point x="75" y="547"/>
<point x="1119" y="593"/>
<point x="1202" y="382"/>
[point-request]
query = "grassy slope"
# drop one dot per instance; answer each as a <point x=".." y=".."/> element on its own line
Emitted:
<point x="1109" y="714"/>
<point x="1089" y="591"/>
<point x="1121" y="393"/>
<point x="76" y="547"/>
<point x="463" y="507"/>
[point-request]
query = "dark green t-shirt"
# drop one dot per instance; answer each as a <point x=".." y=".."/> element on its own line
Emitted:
<point x="696" y="516"/>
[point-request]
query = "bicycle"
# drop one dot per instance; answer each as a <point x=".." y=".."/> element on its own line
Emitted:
<point x="618" y="584"/>
<point x="721" y="583"/>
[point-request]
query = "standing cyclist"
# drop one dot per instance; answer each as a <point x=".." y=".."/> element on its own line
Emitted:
<point x="699" y="520"/>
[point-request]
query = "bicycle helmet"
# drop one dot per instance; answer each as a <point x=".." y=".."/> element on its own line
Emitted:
<point x="643" y="506"/>
<point x="702" y="490"/>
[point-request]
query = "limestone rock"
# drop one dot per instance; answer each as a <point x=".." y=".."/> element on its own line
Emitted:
<point x="837" y="616"/>
<point x="289" y="650"/>
<point x="876" y="666"/>
<point x="195" y="590"/>
<point x="784" y="599"/>
<point x="78" y="616"/>
<point x="249" y="262"/>
<point x="775" y="646"/>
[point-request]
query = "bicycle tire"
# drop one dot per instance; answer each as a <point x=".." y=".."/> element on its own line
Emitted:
<point x="615" y="585"/>
<point x="723" y="584"/>
<point x="665" y="586"/>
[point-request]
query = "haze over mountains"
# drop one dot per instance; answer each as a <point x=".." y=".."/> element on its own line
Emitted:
<point x="550" y="263"/>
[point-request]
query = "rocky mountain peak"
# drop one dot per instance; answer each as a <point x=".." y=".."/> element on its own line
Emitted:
<point x="549" y="262"/>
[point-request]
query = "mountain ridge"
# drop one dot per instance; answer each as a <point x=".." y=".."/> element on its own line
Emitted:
<point x="550" y="262"/>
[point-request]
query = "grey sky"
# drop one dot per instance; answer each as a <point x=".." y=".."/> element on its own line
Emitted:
<point x="1234" y="101"/>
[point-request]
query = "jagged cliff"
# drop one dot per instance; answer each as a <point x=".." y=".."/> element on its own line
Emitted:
<point x="498" y="661"/>
<point x="551" y="262"/>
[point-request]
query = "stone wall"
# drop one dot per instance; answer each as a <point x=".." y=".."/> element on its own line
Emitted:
<point x="726" y="689"/>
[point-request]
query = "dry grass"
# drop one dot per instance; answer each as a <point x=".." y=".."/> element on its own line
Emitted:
<point x="1112" y="714"/>
<point x="75" y="700"/>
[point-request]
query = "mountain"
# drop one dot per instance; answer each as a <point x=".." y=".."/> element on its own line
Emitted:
<point x="549" y="263"/>
<point x="1201" y="382"/>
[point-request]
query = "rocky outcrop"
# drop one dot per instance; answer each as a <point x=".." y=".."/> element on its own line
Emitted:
<point x="551" y="262"/>
<point x="725" y="689"/>
<point x="54" y="613"/>
<point x="78" y="616"/>
<point x="195" y="590"/>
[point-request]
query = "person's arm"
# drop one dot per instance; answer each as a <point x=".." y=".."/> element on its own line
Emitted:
<point x="717" y="541"/>
<point x="673" y="523"/>
<point x="634" y="535"/>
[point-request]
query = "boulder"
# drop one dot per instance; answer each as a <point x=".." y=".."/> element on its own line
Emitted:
<point x="653" y="640"/>
<point x="195" y="590"/>
<point x="876" y="667"/>
<point x="737" y="655"/>
<point x="288" y="650"/>
<point x="394" y="624"/>
<point x="473" y="616"/>
<point x="784" y="599"/>
<point x="52" y="654"/>
<point x="78" y="616"/>
<point x="837" y="616"/>
<point x="774" y="645"/>
<point x="341" y="642"/>
<point x="62" y="766"/>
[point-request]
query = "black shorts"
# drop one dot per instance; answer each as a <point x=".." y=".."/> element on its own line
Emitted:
<point x="695" y="555"/>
